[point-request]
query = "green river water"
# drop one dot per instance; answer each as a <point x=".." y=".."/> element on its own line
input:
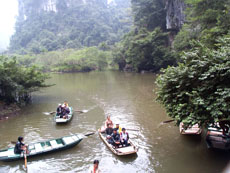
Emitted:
<point x="130" y="100"/>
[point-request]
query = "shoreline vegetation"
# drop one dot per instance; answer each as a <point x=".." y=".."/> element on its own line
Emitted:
<point x="8" y="111"/>
<point x="69" y="60"/>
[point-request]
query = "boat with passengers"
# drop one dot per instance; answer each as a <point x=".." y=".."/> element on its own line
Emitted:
<point x="121" y="150"/>
<point x="38" y="148"/>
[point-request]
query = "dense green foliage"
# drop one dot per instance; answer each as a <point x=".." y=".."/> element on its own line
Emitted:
<point x="149" y="14"/>
<point x="146" y="46"/>
<point x="206" y="21"/>
<point x="17" y="82"/>
<point x="69" y="24"/>
<point x="198" y="89"/>
<point x="70" y="60"/>
<point x="144" y="50"/>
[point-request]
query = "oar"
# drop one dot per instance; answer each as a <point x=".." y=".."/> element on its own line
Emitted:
<point x="25" y="159"/>
<point x="133" y="129"/>
<point x="89" y="134"/>
<point x="167" y="121"/>
<point x="49" y="113"/>
<point x="81" y="111"/>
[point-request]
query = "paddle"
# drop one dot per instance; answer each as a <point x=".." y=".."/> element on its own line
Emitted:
<point x="80" y="111"/>
<point x="133" y="129"/>
<point x="89" y="134"/>
<point x="25" y="159"/>
<point x="167" y="121"/>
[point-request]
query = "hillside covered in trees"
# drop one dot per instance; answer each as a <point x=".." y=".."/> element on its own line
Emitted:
<point x="48" y="25"/>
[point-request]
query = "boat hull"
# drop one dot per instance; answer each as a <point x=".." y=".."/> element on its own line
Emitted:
<point x="60" y="120"/>
<point x="216" y="139"/>
<point x="132" y="149"/>
<point x="41" y="148"/>
<point x="194" y="130"/>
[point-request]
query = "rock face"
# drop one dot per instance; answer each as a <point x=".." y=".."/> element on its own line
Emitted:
<point x="175" y="14"/>
<point x="25" y="8"/>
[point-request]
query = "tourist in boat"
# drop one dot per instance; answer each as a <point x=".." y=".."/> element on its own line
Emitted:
<point x="108" y="121"/>
<point x="65" y="104"/>
<point x="20" y="146"/>
<point x="95" y="168"/>
<point x="124" y="137"/>
<point x="59" y="110"/>
<point x="115" y="138"/>
<point x="65" y="112"/>
<point x="118" y="127"/>
<point x="109" y="130"/>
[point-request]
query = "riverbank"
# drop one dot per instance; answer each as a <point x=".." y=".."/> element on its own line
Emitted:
<point x="8" y="111"/>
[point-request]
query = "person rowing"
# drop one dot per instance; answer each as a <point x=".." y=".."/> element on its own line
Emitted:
<point x="108" y="121"/>
<point x="59" y="110"/>
<point x="20" y="146"/>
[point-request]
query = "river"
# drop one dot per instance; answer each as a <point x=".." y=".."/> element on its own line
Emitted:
<point x="130" y="100"/>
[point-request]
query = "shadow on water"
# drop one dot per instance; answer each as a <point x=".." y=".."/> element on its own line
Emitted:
<point x="127" y="158"/>
<point x="191" y="140"/>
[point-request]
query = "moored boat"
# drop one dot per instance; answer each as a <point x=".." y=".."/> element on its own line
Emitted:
<point x="64" y="119"/>
<point x="194" y="130"/>
<point x="121" y="151"/>
<point x="216" y="139"/>
<point x="39" y="148"/>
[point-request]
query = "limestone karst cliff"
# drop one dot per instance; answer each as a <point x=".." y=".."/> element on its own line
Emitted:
<point x="175" y="16"/>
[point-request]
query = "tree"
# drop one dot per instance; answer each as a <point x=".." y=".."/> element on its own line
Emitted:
<point x="18" y="82"/>
<point x="198" y="89"/>
<point x="144" y="50"/>
<point x="206" y="21"/>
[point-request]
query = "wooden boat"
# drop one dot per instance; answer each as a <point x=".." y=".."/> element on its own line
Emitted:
<point x="194" y="130"/>
<point x="216" y="139"/>
<point x="121" y="151"/>
<point x="58" y="119"/>
<point x="39" y="148"/>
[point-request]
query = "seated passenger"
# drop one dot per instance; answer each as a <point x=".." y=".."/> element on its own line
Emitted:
<point x="124" y="137"/>
<point x="118" y="127"/>
<point x="65" y="104"/>
<point x="109" y="130"/>
<point x="20" y="146"/>
<point x="108" y="121"/>
<point x="65" y="112"/>
<point x="59" y="110"/>
<point x="115" y="139"/>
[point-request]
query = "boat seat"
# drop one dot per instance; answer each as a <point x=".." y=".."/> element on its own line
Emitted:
<point x="31" y="147"/>
<point x="38" y="147"/>
<point x="47" y="148"/>
<point x="68" y="140"/>
<point x="54" y="144"/>
<point x="10" y="153"/>
<point x="5" y="153"/>
<point x="75" y="138"/>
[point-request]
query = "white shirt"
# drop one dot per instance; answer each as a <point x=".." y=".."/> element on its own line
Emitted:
<point x="92" y="168"/>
